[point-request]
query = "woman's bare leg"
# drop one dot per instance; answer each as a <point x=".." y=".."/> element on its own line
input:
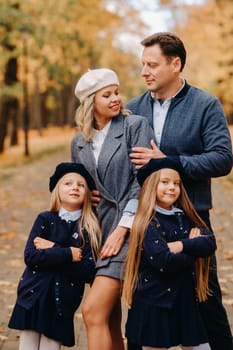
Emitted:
<point x="98" y="314"/>
<point x="115" y="324"/>
<point x="151" y="348"/>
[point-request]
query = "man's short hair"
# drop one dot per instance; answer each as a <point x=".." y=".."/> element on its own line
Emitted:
<point x="170" y="44"/>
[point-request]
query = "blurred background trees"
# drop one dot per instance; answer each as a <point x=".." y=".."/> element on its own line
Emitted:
<point x="46" y="45"/>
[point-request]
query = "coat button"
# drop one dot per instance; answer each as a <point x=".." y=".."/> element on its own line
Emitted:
<point x="169" y="289"/>
<point x="161" y="270"/>
<point x="75" y="235"/>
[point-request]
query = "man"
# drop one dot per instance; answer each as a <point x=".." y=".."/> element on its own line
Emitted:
<point x="190" y="123"/>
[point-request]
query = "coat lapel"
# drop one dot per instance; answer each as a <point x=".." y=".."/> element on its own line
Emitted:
<point x="86" y="156"/>
<point x="111" y="144"/>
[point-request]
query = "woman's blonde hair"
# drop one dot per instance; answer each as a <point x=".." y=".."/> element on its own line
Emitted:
<point x="88" y="219"/>
<point x="84" y="117"/>
<point x="143" y="216"/>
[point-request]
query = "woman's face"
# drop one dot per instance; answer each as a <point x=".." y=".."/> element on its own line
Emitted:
<point x="107" y="103"/>
<point x="168" y="189"/>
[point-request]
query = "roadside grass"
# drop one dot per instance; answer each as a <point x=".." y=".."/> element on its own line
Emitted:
<point x="38" y="154"/>
<point x="51" y="140"/>
<point x="230" y="177"/>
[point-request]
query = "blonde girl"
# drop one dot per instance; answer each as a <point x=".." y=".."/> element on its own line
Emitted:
<point x="60" y="257"/>
<point x="167" y="263"/>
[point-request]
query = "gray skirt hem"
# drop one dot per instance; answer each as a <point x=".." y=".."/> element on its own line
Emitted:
<point x="114" y="269"/>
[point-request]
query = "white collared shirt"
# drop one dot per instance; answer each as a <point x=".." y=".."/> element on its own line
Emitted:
<point x="98" y="140"/>
<point x="172" y="211"/>
<point x="160" y="109"/>
<point x="69" y="215"/>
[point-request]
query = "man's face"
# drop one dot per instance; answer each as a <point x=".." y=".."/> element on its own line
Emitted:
<point x="160" y="72"/>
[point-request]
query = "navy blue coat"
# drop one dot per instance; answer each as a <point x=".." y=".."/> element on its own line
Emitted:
<point x="162" y="273"/>
<point x="196" y="130"/>
<point x="52" y="267"/>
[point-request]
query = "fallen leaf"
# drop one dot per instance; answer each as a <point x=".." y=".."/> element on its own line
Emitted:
<point x="7" y="235"/>
<point x="228" y="301"/>
<point x="228" y="257"/>
<point x="224" y="291"/>
<point x="8" y="292"/>
<point x="5" y="283"/>
<point x="3" y="337"/>
<point x="15" y="263"/>
<point x="225" y="268"/>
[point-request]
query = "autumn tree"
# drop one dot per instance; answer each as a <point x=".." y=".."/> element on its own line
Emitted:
<point x="224" y="16"/>
<point x="9" y="102"/>
<point x="206" y="30"/>
<point x="64" y="39"/>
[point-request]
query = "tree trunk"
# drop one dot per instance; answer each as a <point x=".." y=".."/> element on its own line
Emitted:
<point x="14" y="119"/>
<point x="9" y="103"/>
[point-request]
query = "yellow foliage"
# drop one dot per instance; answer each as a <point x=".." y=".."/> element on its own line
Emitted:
<point x="207" y="33"/>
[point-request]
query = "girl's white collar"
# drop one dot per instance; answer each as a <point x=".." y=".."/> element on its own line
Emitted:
<point x="69" y="215"/>
<point x="172" y="211"/>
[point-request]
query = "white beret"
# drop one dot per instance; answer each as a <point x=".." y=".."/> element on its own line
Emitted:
<point x="94" y="80"/>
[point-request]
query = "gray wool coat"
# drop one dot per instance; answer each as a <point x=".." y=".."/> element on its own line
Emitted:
<point x="114" y="175"/>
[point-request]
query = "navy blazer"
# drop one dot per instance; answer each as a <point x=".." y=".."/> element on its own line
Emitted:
<point x="47" y="268"/>
<point x="162" y="273"/>
<point x="196" y="130"/>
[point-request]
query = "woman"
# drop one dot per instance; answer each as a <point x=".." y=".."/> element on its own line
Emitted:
<point x="105" y="138"/>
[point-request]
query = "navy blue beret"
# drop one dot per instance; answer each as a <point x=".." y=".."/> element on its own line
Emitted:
<point x="65" y="168"/>
<point x="155" y="164"/>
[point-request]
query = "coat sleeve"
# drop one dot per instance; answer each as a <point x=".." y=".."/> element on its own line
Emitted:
<point x="156" y="251"/>
<point x="202" y="246"/>
<point x="216" y="158"/>
<point x="83" y="270"/>
<point x="44" y="258"/>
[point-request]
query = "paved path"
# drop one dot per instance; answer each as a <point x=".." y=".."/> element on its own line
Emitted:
<point x="24" y="193"/>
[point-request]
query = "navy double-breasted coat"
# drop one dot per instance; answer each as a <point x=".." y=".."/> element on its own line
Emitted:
<point x="51" y="287"/>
